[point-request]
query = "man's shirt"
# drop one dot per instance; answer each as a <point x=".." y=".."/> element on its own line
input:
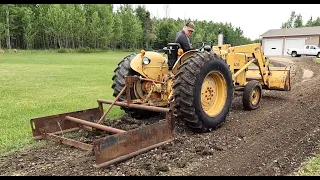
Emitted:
<point x="183" y="40"/>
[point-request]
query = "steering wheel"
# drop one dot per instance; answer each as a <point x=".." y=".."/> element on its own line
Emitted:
<point x="200" y="44"/>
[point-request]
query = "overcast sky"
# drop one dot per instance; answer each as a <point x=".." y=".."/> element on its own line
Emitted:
<point x="253" y="19"/>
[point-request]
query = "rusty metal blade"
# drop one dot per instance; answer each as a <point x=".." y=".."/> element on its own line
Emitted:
<point x="57" y="123"/>
<point x="119" y="147"/>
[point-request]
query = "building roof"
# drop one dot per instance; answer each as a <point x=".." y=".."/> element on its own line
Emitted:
<point x="292" y="32"/>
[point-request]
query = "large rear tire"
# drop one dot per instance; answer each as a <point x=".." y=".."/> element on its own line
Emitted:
<point x="203" y="92"/>
<point x="120" y="72"/>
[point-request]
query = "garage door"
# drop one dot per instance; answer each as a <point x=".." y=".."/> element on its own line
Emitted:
<point x="294" y="43"/>
<point x="272" y="47"/>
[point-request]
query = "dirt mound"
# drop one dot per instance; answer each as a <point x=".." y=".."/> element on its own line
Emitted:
<point x="272" y="140"/>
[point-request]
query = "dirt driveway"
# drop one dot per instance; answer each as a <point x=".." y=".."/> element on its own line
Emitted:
<point x="272" y="140"/>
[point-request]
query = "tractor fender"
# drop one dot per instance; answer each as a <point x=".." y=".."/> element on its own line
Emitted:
<point x="181" y="60"/>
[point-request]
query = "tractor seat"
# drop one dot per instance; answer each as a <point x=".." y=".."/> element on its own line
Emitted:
<point x="172" y="52"/>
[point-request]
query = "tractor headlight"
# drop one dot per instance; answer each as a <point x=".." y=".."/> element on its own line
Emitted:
<point x="145" y="60"/>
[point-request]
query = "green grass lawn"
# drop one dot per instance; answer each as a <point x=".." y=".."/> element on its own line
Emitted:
<point x="41" y="84"/>
<point x="310" y="167"/>
<point x="318" y="60"/>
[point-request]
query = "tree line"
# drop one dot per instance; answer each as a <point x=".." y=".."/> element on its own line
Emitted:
<point x="295" y="21"/>
<point x="99" y="26"/>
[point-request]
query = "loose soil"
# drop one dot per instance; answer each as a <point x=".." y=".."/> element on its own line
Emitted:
<point x="270" y="141"/>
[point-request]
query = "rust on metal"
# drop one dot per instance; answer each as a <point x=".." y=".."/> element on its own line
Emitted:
<point x="100" y="106"/>
<point x="170" y="117"/>
<point x="136" y="106"/>
<point x="119" y="147"/>
<point x="104" y="115"/>
<point x="129" y="83"/>
<point x="70" y="142"/>
<point x="59" y="132"/>
<point x="130" y="155"/>
<point x="94" y="125"/>
<point x="114" y="148"/>
<point x="57" y="123"/>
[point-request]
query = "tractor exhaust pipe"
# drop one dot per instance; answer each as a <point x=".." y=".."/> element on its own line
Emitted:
<point x="220" y="38"/>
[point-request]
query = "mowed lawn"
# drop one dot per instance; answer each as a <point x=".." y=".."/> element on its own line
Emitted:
<point x="42" y="83"/>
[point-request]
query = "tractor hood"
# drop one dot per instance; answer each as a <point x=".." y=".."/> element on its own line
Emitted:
<point x="150" y="64"/>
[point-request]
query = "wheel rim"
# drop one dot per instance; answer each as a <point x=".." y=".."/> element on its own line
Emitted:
<point x="213" y="93"/>
<point x="138" y="90"/>
<point x="255" y="96"/>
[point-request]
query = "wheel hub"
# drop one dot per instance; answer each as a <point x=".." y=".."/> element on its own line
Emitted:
<point x="255" y="96"/>
<point x="208" y="92"/>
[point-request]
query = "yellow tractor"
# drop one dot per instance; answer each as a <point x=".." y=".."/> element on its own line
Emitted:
<point x="200" y="83"/>
<point x="196" y="87"/>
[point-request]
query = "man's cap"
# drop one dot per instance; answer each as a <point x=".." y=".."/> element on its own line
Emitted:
<point x="190" y="26"/>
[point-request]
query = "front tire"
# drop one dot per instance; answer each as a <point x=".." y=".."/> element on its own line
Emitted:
<point x="252" y="94"/>
<point x="203" y="91"/>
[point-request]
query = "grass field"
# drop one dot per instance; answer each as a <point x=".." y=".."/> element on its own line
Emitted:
<point x="40" y="84"/>
<point x="35" y="84"/>
<point x="310" y="167"/>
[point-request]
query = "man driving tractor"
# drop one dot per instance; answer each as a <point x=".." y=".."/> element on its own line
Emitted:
<point x="182" y="37"/>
